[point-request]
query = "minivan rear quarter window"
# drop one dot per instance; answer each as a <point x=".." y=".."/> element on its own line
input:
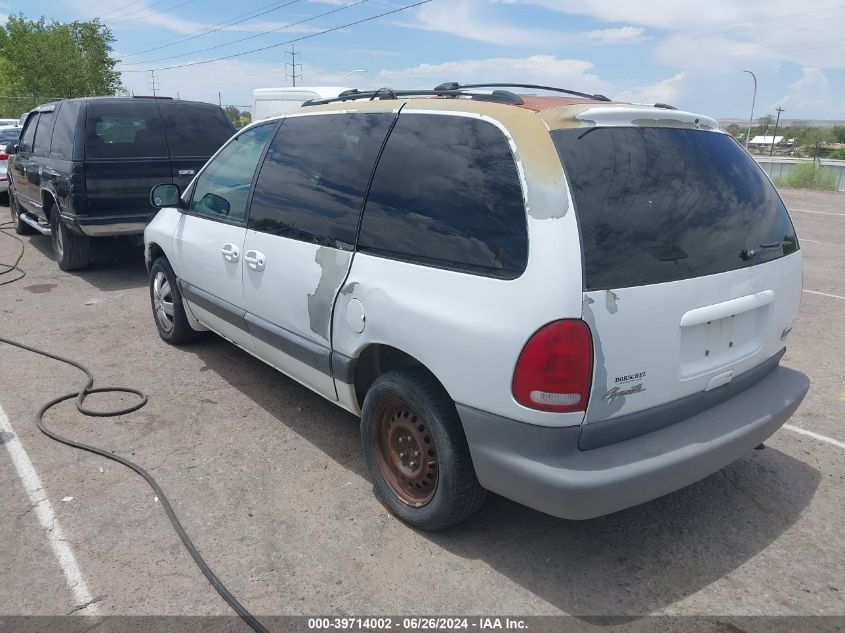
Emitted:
<point x="661" y="204"/>
<point x="446" y="193"/>
<point x="124" y="129"/>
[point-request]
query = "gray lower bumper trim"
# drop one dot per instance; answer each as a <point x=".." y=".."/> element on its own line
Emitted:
<point x="106" y="230"/>
<point x="624" y="427"/>
<point x="544" y="469"/>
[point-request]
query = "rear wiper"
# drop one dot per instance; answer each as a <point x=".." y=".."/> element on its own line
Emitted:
<point x="748" y="253"/>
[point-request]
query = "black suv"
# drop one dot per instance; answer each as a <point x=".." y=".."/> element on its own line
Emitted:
<point x="83" y="168"/>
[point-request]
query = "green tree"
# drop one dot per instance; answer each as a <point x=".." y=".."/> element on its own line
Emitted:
<point x="239" y="118"/>
<point x="41" y="61"/>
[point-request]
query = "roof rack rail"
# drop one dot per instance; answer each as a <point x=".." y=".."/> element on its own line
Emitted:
<point x="454" y="85"/>
<point x="497" y="96"/>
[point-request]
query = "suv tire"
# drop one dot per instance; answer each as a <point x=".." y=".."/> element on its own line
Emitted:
<point x="71" y="251"/>
<point x="21" y="228"/>
<point x="173" y="328"/>
<point x="416" y="450"/>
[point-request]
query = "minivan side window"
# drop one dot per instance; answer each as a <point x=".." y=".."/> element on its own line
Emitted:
<point x="43" y="134"/>
<point x="194" y="130"/>
<point x="447" y="194"/>
<point x="65" y="130"/>
<point x="124" y="129"/>
<point x="312" y="184"/>
<point x="28" y="134"/>
<point x="222" y="188"/>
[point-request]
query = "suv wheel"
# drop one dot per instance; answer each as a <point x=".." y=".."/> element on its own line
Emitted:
<point x="21" y="228"/>
<point x="71" y="251"/>
<point x="416" y="451"/>
<point x="166" y="301"/>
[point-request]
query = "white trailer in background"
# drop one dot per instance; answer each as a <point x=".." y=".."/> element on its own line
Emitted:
<point x="270" y="102"/>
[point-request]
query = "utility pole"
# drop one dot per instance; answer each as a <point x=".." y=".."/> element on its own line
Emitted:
<point x="293" y="65"/>
<point x="753" y="99"/>
<point x="772" y="149"/>
<point x="153" y="82"/>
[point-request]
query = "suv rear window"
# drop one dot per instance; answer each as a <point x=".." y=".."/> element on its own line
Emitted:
<point x="124" y="129"/>
<point x="661" y="204"/>
<point x="194" y="129"/>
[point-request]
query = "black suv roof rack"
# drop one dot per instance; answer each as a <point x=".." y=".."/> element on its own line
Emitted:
<point x="497" y="96"/>
<point x="454" y="85"/>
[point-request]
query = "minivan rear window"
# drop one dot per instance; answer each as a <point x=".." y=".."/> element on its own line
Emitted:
<point x="661" y="204"/>
<point x="124" y="129"/>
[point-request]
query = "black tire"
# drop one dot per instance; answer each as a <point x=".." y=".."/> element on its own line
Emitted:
<point x="179" y="330"/>
<point x="21" y="228"/>
<point x="457" y="493"/>
<point x="71" y="251"/>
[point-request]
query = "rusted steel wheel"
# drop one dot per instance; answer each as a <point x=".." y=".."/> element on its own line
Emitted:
<point x="406" y="454"/>
<point x="416" y="450"/>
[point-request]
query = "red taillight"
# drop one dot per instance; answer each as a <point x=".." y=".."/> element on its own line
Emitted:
<point x="555" y="368"/>
<point x="4" y="156"/>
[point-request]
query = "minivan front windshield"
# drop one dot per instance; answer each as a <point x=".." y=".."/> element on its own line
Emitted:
<point x="661" y="204"/>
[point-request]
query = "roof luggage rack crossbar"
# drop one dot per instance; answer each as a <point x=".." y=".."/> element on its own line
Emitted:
<point x="497" y="96"/>
<point x="454" y="85"/>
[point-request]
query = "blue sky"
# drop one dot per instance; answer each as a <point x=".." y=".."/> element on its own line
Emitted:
<point x="688" y="54"/>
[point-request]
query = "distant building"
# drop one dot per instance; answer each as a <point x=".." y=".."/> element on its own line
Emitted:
<point x="765" y="140"/>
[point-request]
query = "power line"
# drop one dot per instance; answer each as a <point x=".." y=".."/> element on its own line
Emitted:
<point x="154" y="13"/>
<point x="120" y="8"/>
<point x="292" y="41"/>
<point x="144" y="8"/>
<point x="222" y="25"/>
<point x="250" y="37"/>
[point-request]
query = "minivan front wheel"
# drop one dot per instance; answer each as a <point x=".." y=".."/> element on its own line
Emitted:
<point x="166" y="300"/>
<point x="416" y="451"/>
<point x="71" y="251"/>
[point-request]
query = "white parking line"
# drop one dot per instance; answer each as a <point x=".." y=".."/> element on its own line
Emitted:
<point x="48" y="520"/>
<point x="817" y="436"/>
<point x="841" y="215"/>
<point x="823" y="294"/>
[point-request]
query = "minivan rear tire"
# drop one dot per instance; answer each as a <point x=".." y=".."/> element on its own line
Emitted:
<point x="408" y="408"/>
<point x="71" y="251"/>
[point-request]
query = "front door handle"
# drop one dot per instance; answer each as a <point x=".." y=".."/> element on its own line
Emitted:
<point x="230" y="252"/>
<point x="255" y="260"/>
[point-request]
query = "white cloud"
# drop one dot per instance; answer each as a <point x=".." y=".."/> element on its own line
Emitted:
<point x="539" y="69"/>
<point x="470" y="19"/>
<point x="810" y="94"/>
<point x="623" y="35"/>
<point x="665" y="91"/>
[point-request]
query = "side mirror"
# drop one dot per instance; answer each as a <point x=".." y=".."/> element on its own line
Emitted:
<point x="166" y="195"/>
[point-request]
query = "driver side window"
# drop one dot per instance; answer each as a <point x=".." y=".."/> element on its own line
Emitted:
<point x="222" y="189"/>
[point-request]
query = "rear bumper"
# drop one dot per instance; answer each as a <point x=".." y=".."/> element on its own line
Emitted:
<point x="543" y="468"/>
<point x="111" y="225"/>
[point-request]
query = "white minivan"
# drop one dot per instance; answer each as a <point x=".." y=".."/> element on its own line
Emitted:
<point x="577" y="304"/>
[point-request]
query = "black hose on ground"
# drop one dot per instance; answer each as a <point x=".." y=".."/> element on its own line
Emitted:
<point x="80" y="397"/>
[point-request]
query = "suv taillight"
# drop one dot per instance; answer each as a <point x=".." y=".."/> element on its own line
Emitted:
<point x="555" y="368"/>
